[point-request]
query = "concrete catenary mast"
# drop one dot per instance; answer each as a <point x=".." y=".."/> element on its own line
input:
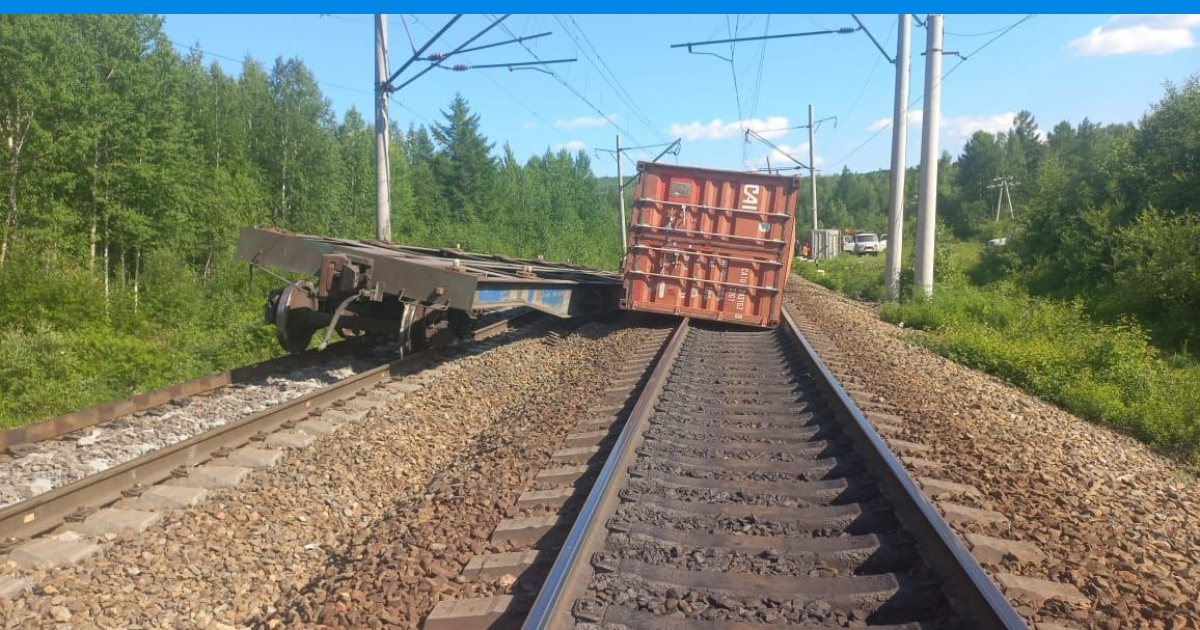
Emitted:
<point x="927" y="201"/>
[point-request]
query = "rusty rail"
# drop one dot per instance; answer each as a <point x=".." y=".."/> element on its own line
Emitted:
<point x="47" y="510"/>
<point x="68" y="422"/>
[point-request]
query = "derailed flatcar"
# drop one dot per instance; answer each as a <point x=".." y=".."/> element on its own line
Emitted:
<point x="710" y="244"/>
<point x="426" y="296"/>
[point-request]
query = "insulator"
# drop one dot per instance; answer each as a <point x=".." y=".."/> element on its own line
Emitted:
<point x="437" y="56"/>
<point x="460" y="67"/>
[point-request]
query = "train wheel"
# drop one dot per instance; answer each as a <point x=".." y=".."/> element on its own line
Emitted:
<point x="293" y="316"/>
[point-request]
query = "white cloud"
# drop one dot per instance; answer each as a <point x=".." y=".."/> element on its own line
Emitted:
<point x="772" y="127"/>
<point x="1161" y="20"/>
<point x="529" y="125"/>
<point x="914" y="118"/>
<point x="585" y="121"/>
<point x="957" y="129"/>
<point x="573" y="145"/>
<point x="1139" y="34"/>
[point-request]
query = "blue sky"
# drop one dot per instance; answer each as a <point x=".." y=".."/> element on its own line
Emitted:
<point x="628" y="80"/>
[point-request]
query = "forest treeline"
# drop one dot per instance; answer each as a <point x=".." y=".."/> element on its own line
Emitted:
<point x="1106" y="215"/>
<point x="128" y="167"/>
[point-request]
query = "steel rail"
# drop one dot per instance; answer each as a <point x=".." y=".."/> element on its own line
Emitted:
<point x="45" y="511"/>
<point x="565" y="579"/>
<point x="970" y="590"/>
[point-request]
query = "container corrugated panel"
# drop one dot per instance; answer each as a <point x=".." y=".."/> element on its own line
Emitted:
<point x="710" y="244"/>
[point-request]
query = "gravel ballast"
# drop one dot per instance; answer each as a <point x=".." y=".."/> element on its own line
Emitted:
<point x="366" y="527"/>
<point x="43" y="466"/>
<point x="1117" y="521"/>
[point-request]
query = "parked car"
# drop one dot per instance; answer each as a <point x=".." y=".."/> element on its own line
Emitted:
<point x="868" y="243"/>
<point x="848" y="243"/>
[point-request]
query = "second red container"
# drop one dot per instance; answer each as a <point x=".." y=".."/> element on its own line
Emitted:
<point x="710" y="244"/>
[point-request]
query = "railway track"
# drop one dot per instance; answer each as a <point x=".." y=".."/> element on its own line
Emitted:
<point x="744" y="487"/>
<point x="174" y="464"/>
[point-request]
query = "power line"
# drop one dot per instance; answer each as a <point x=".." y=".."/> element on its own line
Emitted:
<point x="733" y="70"/>
<point x="989" y="42"/>
<point x="572" y="89"/>
<point x="762" y="58"/>
<point x="918" y="99"/>
<point x="751" y="132"/>
<point x="974" y="34"/>
<point x="497" y="22"/>
<point x="243" y="60"/>
<point x="870" y="76"/>
<point x="816" y="23"/>
<point x="410" y="110"/>
<point x="615" y="82"/>
<point x="411" y="44"/>
<point x="343" y="18"/>
<point x="637" y="108"/>
<point x="501" y="87"/>
<point x="863" y="28"/>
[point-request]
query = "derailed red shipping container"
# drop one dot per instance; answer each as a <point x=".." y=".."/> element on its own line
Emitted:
<point x="710" y="244"/>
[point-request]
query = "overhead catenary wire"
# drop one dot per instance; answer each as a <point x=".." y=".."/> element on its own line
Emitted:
<point x="962" y="59"/>
<point x="439" y="62"/>
<point x="1004" y="31"/>
<point x="751" y="132"/>
<point x="502" y="88"/>
<point x="408" y="34"/>
<point x="206" y="53"/>
<point x="870" y="75"/>
<point x="410" y="110"/>
<point x="442" y="56"/>
<point x="863" y="28"/>
<point x="387" y="85"/>
<point x="762" y="58"/>
<point x="733" y="70"/>
<point x="574" y="91"/>
<point x="511" y="65"/>
<point x="616" y="84"/>
<point x="983" y="34"/>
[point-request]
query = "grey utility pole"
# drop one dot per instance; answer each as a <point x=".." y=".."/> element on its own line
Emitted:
<point x="383" y="204"/>
<point x="927" y="202"/>
<point x="621" y="199"/>
<point x="891" y="284"/>
<point x="812" y="163"/>
<point x="1004" y="184"/>
<point x="672" y="148"/>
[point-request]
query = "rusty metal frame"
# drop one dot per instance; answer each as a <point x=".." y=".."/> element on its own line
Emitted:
<point x="435" y="278"/>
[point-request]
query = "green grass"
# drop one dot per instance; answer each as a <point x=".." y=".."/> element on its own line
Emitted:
<point x="1109" y="374"/>
<point x="859" y="277"/>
